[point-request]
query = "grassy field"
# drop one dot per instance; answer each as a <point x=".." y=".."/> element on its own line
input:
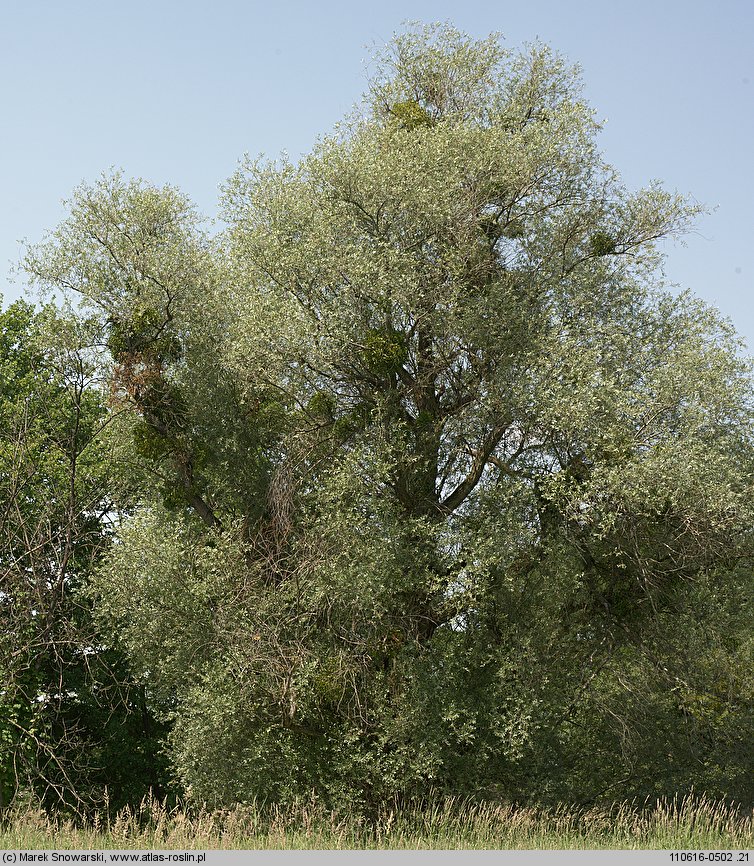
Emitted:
<point x="697" y="824"/>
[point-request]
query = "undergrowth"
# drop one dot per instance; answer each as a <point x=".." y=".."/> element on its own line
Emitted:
<point x="697" y="822"/>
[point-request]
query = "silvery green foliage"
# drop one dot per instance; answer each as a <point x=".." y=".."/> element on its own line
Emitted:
<point x="520" y="443"/>
<point x="449" y="456"/>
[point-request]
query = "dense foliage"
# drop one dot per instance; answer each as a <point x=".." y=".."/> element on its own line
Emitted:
<point x="420" y="479"/>
<point x="72" y="721"/>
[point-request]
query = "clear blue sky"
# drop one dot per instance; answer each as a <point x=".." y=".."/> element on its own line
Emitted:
<point x="175" y="92"/>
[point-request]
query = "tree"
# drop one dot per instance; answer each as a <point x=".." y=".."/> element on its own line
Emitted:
<point x="448" y="455"/>
<point x="67" y="703"/>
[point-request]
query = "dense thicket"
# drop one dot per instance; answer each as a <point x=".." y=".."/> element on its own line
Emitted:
<point x="423" y="480"/>
<point x="72" y="721"/>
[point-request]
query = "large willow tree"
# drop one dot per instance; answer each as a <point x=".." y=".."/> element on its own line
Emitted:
<point x="431" y="484"/>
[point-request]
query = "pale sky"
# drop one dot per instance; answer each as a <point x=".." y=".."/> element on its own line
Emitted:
<point x="176" y="92"/>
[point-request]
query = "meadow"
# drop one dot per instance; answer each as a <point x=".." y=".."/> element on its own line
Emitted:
<point x="691" y="823"/>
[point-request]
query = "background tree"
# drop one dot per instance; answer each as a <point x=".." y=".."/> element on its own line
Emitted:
<point x="72" y="721"/>
<point x="424" y="460"/>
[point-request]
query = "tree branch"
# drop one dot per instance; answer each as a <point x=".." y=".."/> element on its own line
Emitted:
<point x="481" y="457"/>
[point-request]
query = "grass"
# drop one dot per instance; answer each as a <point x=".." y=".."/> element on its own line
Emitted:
<point x="692" y="823"/>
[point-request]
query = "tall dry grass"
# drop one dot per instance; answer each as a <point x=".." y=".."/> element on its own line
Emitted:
<point x="697" y="822"/>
